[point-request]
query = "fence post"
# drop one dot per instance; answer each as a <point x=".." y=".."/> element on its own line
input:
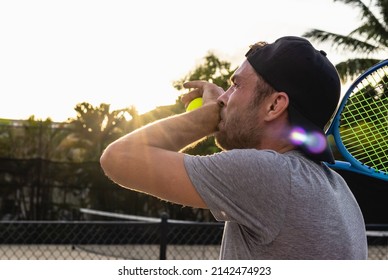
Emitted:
<point x="163" y="236"/>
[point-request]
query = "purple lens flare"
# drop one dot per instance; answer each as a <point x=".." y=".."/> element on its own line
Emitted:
<point x="315" y="142"/>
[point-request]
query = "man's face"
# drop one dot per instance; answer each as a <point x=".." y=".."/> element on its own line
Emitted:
<point x="241" y="123"/>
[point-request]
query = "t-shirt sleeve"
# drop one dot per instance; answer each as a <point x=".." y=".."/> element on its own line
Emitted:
<point x="249" y="187"/>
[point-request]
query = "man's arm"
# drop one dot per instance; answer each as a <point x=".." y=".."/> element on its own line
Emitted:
<point x="148" y="159"/>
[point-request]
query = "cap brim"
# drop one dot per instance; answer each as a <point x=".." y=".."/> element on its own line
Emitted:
<point x="316" y="145"/>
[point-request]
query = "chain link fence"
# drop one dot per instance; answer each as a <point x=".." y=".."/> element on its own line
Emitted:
<point x="110" y="240"/>
<point x="377" y="236"/>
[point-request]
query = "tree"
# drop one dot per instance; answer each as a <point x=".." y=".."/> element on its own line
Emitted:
<point x="27" y="146"/>
<point x="212" y="70"/>
<point x="370" y="38"/>
<point x="95" y="127"/>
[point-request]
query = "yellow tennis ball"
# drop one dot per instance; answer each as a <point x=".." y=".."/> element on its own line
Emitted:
<point x="194" y="104"/>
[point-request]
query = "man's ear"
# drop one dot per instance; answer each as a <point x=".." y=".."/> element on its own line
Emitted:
<point x="277" y="105"/>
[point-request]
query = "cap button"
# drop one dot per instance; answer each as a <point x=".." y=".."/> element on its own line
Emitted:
<point x="323" y="52"/>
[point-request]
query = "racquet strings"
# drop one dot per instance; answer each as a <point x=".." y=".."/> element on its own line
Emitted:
<point x="364" y="121"/>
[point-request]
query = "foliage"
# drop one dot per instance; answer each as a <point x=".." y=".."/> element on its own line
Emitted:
<point x="369" y="39"/>
<point x="25" y="148"/>
<point x="212" y="70"/>
<point x="95" y="127"/>
<point x="31" y="138"/>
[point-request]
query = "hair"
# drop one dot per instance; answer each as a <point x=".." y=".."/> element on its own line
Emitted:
<point x="257" y="45"/>
<point x="263" y="90"/>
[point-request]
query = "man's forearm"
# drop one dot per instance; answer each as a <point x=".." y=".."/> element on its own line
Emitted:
<point x="177" y="132"/>
<point x="146" y="160"/>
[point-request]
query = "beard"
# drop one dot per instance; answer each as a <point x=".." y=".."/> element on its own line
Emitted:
<point x="239" y="131"/>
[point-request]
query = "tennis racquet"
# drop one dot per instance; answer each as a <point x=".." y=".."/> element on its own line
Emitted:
<point x="360" y="126"/>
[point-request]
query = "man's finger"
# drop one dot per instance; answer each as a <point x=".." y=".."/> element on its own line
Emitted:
<point x="186" y="98"/>
<point x="195" y="84"/>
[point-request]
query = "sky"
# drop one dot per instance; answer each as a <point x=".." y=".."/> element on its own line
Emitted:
<point x="55" y="54"/>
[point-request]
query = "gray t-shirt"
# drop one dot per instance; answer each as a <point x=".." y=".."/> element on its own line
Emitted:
<point x="279" y="206"/>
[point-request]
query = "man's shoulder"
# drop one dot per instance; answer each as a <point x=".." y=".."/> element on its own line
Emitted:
<point x="253" y="154"/>
<point x="252" y="159"/>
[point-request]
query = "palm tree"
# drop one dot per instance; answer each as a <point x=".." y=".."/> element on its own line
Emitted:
<point x="368" y="40"/>
<point x="95" y="127"/>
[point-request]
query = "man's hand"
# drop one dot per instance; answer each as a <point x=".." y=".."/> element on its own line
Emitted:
<point x="208" y="91"/>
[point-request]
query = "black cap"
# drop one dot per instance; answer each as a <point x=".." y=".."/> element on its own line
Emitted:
<point x="292" y="65"/>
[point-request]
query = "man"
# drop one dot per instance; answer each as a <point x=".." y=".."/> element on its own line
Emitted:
<point x="270" y="185"/>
